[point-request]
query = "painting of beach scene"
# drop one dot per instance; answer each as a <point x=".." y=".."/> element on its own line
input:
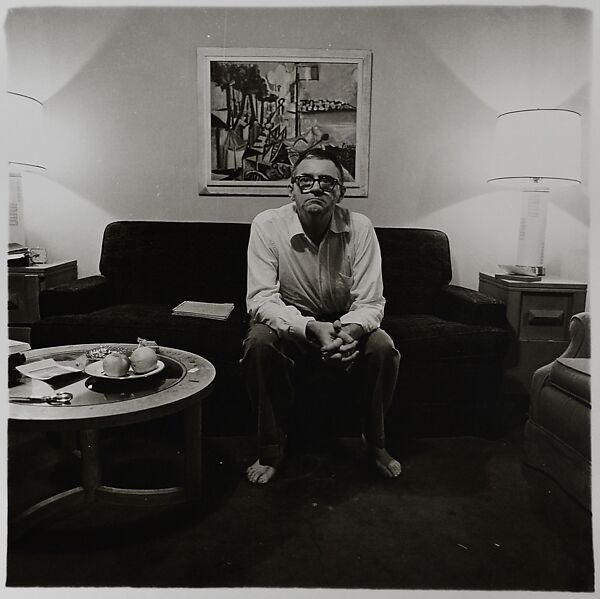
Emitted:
<point x="260" y="111"/>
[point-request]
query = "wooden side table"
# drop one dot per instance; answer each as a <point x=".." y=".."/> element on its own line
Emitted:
<point x="24" y="286"/>
<point x="538" y="313"/>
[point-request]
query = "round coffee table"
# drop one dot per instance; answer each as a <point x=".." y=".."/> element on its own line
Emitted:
<point x="100" y="403"/>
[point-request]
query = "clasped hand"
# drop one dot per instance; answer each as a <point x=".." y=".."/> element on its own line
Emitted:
<point x="336" y="344"/>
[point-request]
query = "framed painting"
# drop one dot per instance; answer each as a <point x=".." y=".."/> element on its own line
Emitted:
<point x="260" y="108"/>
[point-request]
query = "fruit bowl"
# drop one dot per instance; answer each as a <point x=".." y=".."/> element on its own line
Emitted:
<point x="96" y="370"/>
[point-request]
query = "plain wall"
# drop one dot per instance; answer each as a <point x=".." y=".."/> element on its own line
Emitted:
<point x="120" y="102"/>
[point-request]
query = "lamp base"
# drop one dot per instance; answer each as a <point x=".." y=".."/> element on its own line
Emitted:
<point x="532" y="231"/>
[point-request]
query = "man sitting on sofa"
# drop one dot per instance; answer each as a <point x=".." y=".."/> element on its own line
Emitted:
<point x="315" y="292"/>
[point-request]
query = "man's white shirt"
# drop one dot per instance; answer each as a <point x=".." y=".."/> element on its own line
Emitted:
<point x="291" y="280"/>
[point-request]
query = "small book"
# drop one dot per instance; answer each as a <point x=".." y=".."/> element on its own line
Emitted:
<point x="18" y="255"/>
<point x="519" y="269"/>
<point x="17" y="248"/>
<point x="203" y="310"/>
<point x="17" y="260"/>
<point x="17" y="347"/>
<point x="508" y="276"/>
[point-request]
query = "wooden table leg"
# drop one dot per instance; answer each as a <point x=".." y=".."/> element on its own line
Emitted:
<point x="193" y="449"/>
<point x="92" y="488"/>
<point x="54" y="506"/>
<point x="96" y="491"/>
<point x="90" y="462"/>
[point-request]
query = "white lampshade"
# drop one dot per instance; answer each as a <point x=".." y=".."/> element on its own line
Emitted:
<point x="25" y="137"/>
<point x="538" y="147"/>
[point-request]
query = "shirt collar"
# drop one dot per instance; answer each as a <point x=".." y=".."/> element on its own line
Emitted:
<point x="340" y="221"/>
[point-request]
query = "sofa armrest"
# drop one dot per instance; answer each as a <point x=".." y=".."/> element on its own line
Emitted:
<point x="579" y="332"/>
<point x="579" y="347"/>
<point x="470" y="307"/>
<point x="78" y="297"/>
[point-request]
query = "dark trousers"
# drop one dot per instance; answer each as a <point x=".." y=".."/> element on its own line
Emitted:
<point x="269" y="362"/>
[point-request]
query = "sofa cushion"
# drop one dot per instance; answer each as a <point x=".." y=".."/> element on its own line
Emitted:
<point x="154" y="262"/>
<point x="415" y="266"/>
<point x="423" y="336"/>
<point x="218" y="341"/>
<point x="168" y="262"/>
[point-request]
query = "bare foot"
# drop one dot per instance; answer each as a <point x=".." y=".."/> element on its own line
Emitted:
<point x="259" y="474"/>
<point x="385" y="463"/>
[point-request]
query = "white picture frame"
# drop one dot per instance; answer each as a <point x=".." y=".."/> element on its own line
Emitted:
<point x="259" y="108"/>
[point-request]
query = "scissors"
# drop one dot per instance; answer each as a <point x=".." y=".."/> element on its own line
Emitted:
<point x="60" y="399"/>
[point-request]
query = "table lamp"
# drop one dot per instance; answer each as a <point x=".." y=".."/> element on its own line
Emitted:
<point x="535" y="150"/>
<point x="25" y="153"/>
<point x="24" y="134"/>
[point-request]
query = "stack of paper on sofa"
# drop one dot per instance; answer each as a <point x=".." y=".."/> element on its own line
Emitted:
<point x="203" y="310"/>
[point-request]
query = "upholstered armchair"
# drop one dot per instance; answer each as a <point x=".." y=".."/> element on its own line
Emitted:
<point x="557" y="433"/>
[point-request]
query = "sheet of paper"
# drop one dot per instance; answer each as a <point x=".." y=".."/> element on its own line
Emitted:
<point x="45" y="369"/>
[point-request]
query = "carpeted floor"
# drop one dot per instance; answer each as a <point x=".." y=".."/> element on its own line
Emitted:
<point x="465" y="514"/>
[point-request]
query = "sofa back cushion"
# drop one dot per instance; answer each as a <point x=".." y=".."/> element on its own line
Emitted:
<point x="168" y="262"/>
<point x="416" y="265"/>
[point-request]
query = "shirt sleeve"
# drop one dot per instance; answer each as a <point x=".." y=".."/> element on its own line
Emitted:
<point x="366" y="292"/>
<point x="263" y="299"/>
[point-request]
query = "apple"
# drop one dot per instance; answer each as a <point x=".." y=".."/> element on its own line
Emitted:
<point x="143" y="359"/>
<point x="116" y="364"/>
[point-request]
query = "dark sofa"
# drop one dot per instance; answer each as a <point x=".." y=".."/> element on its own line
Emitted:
<point x="452" y="340"/>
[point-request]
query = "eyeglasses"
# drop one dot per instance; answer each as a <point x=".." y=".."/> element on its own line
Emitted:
<point x="305" y="182"/>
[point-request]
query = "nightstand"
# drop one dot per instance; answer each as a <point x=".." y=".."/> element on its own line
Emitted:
<point x="538" y="313"/>
<point x="24" y="286"/>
